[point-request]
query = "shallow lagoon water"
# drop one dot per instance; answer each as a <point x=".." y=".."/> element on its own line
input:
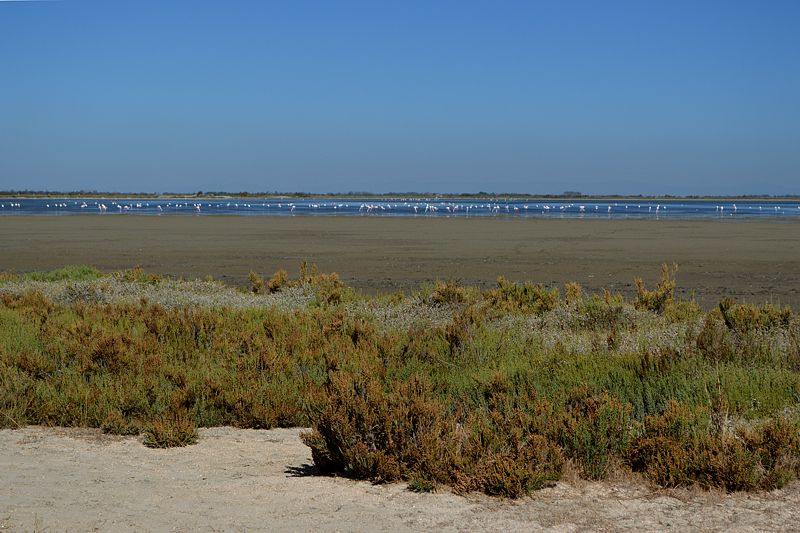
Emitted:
<point x="672" y="209"/>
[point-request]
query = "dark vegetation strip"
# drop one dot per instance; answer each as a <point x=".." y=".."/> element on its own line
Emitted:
<point x="479" y="403"/>
<point x="367" y="195"/>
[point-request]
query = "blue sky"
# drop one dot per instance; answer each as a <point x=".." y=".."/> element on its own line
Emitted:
<point x="678" y="97"/>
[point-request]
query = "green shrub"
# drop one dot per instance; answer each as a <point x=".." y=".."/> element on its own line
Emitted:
<point x="573" y="292"/>
<point x="462" y="328"/>
<point x="606" y="312"/>
<point x="138" y="275"/>
<point x="117" y="424"/>
<point x="593" y="430"/>
<point x="776" y="445"/>
<point x="420" y="483"/>
<point x="666" y="447"/>
<point x="714" y="341"/>
<point x="682" y="311"/>
<point x="68" y="273"/>
<point x="279" y="280"/>
<point x="664" y="293"/>
<point x="524" y="466"/>
<point x="170" y="431"/>
<point x="522" y="297"/>
<point x="328" y="288"/>
<point x="256" y="283"/>
<point x="8" y="277"/>
<point x="367" y="433"/>
<point x="682" y="447"/>
<point x="364" y="432"/>
<point x="746" y="317"/>
<point x="447" y="292"/>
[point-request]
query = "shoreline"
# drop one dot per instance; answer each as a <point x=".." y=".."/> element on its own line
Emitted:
<point x="391" y="195"/>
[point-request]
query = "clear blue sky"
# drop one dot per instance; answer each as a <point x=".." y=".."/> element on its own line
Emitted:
<point x="672" y="97"/>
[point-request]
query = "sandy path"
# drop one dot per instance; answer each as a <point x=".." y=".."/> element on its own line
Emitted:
<point x="81" y="480"/>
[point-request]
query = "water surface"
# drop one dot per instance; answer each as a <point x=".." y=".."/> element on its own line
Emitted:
<point x="673" y="209"/>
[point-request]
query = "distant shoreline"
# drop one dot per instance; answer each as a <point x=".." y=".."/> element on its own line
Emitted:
<point x="22" y="195"/>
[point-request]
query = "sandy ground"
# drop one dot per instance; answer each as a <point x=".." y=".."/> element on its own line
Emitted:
<point x="56" y="479"/>
<point x="756" y="261"/>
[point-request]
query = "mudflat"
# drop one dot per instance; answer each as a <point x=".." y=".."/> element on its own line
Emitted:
<point x="752" y="260"/>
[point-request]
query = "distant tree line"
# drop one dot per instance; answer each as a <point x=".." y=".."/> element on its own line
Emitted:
<point x="367" y="194"/>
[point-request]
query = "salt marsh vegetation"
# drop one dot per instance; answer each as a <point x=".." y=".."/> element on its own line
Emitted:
<point x="498" y="391"/>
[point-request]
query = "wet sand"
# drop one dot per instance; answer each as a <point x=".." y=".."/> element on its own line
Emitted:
<point x="756" y="261"/>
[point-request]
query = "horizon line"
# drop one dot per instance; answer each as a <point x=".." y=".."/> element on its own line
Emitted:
<point x="200" y="193"/>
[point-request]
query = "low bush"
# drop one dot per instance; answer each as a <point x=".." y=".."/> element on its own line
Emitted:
<point x="447" y="292"/>
<point x="664" y="293"/>
<point x="747" y="317"/>
<point x="279" y="280"/>
<point x="327" y="288"/>
<point x="256" y="283"/>
<point x="682" y="447"/>
<point x="594" y="430"/>
<point x="714" y="341"/>
<point x="573" y="293"/>
<point x="69" y="273"/>
<point x="606" y="312"/>
<point x="170" y="431"/>
<point x="526" y="297"/>
<point x="138" y="275"/>
<point x="366" y="432"/>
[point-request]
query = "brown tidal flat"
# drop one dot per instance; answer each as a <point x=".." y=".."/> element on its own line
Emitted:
<point x="755" y="261"/>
